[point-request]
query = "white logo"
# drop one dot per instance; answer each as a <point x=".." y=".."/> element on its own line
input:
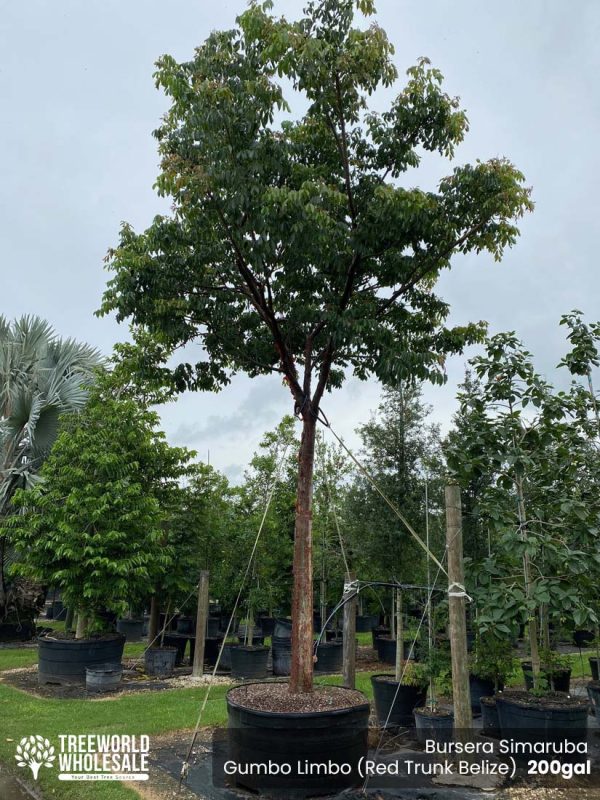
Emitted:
<point x="35" y="752"/>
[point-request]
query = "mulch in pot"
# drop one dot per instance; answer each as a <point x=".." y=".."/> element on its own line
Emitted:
<point x="276" y="697"/>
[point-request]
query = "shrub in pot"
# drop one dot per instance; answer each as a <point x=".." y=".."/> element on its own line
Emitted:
<point x="395" y="700"/>
<point x="92" y="525"/>
<point x="542" y="715"/>
<point x="555" y="672"/>
<point x="490" y="666"/>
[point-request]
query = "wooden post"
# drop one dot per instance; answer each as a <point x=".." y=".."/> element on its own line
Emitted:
<point x="463" y="719"/>
<point x="201" y="622"/>
<point x="349" y="641"/>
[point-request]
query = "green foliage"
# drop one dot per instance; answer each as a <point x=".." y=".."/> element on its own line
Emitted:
<point x="92" y="526"/>
<point x="492" y="659"/>
<point x="292" y="247"/>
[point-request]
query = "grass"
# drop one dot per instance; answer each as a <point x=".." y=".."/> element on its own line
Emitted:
<point x="142" y="713"/>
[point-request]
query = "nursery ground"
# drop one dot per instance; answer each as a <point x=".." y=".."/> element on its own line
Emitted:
<point x="167" y="713"/>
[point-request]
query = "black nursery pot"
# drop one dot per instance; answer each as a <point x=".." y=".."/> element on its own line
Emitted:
<point x="16" y="631"/>
<point x="65" y="660"/>
<point x="437" y="726"/>
<point x="283" y="628"/>
<point x="395" y="703"/>
<point x="267" y="625"/>
<point x="594" y="667"/>
<point x="559" y="679"/>
<point x="282" y="655"/>
<point x="380" y="630"/>
<point x="187" y="625"/>
<point x="249" y="662"/>
<point x="582" y="638"/>
<point x="330" y="656"/>
<point x="490" y="724"/>
<point x="386" y="650"/>
<point x="257" y="737"/>
<point x="160" y="661"/>
<point x="366" y="622"/>
<point x="132" y="629"/>
<point x="478" y="688"/>
<point x="524" y="720"/>
<point x="212" y="647"/>
<point x="179" y="642"/>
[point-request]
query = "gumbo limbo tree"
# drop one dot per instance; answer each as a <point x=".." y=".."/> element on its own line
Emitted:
<point x="295" y="246"/>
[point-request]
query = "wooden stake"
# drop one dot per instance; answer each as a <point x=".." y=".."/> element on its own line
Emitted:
<point x="201" y="623"/>
<point x="463" y="719"/>
<point x="349" y="641"/>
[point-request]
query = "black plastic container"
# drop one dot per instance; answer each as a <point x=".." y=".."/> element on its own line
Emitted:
<point x="186" y="625"/>
<point x="212" y="646"/>
<point x="366" y="622"/>
<point x="65" y="660"/>
<point x="282" y="628"/>
<point x="257" y="639"/>
<point x="490" y="724"/>
<point x="436" y="726"/>
<point x="249" y="662"/>
<point x="179" y="642"/>
<point x="478" y="688"/>
<point x="582" y="638"/>
<point x="395" y="703"/>
<point x="338" y="736"/>
<point x="594" y="667"/>
<point x="523" y="722"/>
<point x="386" y="650"/>
<point x="132" y="629"/>
<point x="559" y="680"/>
<point x="267" y="625"/>
<point x="212" y="627"/>
<point x="16" y="631"/>
<point x="282" y="655"/>
<point x="160" y="661"/>
<point x="380" y="630"/>
<point x="330" y="657"/>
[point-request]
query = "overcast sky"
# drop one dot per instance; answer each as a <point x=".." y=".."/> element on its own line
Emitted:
<point x="79" y="106"/>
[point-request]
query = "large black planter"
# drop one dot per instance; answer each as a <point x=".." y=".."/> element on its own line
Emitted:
<point x="524" y="721"/>
<point x="267" y="625"/>
<point x="160" y="661"/>
<point x="490" y="724"/>
<point x="16" y="632"/>
<point x="212" y="627"/>
<point x="330" y="657"/>
<point x="437" y="726"/>
<point x="132" y="629"/>
<point x="257" y="640"/>
<point x="187" y="625"/>
<point x="366" y="622"/>
<point x="394" y="702"/>
<point x="386" y="650"/>
<point x="283" y="629"/>
<point x="249" y="662"/>
<point x="478" y="688"/>
<point x="559" y="680"/>
<point x="282" y="655"/>
<point x="212" y="647"/>
<point x="380" y="630"/>
<point x="65" y="660"/>
<point x="594" y="667"/>
<point x="331" y="737"/>
<point x="582" y="638"/>
<point x="179" y="642"/>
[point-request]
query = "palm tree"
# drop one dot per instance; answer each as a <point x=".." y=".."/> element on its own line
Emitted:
<point x="41" y="377"/>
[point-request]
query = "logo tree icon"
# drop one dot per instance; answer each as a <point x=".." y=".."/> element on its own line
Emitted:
<point x="34" y="752"/>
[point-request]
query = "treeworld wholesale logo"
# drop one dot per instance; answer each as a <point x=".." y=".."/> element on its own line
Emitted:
<point x="87" y="757"/>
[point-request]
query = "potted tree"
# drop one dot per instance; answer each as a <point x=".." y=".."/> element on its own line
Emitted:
<point x="91" y="525"/>
<point x="293" y="251"/>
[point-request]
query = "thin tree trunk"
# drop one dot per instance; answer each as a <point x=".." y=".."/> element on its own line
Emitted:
<point x="69" y="620"/>
<point x="301" y="678"/>
<point x="399" y="636"/>
<point x="81" y="626"/>
<point x="153" y="622"/>
<point x="532" y="622"/>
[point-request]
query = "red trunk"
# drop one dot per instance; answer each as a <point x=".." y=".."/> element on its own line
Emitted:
<point x="301" y="679"/>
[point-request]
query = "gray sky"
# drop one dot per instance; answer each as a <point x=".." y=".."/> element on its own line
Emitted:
<point x="77" y="157"/>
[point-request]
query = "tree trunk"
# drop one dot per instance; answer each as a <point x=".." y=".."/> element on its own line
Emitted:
<point x="399" y="637"/>
<point x="301" y="678"/>
<point x="532" y="626"/>
<point x="69" y="620"/>
<point x="154" y="619"/>
<point x="81" y="626"/>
